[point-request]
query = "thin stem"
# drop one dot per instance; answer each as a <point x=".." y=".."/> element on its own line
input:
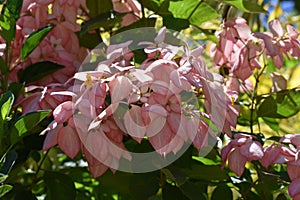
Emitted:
<point x="39" y="168"/>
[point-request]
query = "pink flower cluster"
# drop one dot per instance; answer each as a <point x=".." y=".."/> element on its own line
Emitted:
<point x="239" y="48"/>
<point x="119" y="100"/>
<point x="131" y="7"/>
<point x="60" y="46"/>
<point x="244" y="148"/>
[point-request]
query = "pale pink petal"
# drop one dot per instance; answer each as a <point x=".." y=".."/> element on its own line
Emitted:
<point x="252" y="150"/>
<point x="294" y="188"/>
<point x="134" y="123"/>
<point x="68" y="141"/>
<point x="236" y="162"/>
<point x="276" y="28"/>
<point x="120" y="88"/>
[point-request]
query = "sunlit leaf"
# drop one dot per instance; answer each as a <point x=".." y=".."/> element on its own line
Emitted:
<point x="34" y="40"/>
<point x="246" y="6"/>
<point x="5" y="189"/>
<point x="26" y="123"/>
<point x="6" y="102"/>
<point x="193" y="10"/>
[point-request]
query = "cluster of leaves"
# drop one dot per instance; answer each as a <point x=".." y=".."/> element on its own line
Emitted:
<point x="27" y="173"/>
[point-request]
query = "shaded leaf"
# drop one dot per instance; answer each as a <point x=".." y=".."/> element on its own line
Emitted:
<point x="192" y="191"/>
<point x="37" y="71"/>
<point x="143" y="186"/>
<point x="60" y="186"/>
<point x="34" y="40"/>
<point x="175" y="23"/>
<point x="222" y="191"/>
<point x="268" y="108"/>
<point x="172" y="192"/>
<point x="104" y="20"/>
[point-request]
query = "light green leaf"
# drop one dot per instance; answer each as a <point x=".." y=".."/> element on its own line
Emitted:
<point x="26" y="123"/>
<point x="34" y="40"/>
<point x="5" y="189"/>
<point x="193" y="10"/>
<point x="246" y="6"/>
<point x="6" y="102"/>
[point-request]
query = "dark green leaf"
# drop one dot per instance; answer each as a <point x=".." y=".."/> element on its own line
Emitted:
<point x="14" y="7"/>
<point x="172" y="192"/>
<point x="268" y="108"/>
<point x="16" y="88"/>
<point x="246" y="6"/>
<point x="192" y="191"/>
<point x="60" y="186"/>
<point x="5" y="189"/>
<point x="3" y="67"/>
<point x="281" y="196"/>
<point x="89" y="40"/>
<point x="105" y="20"/>
<point x="222" y="191"/>
<point x="143" y="186"/>
<point x="26" y="123"/>
<point x="34" y="40"/>
<point x="282" y="104"/>
<point x="175" y="23"/>
<point x="208" y="172"/>
<point x="37" y="71"/>
<point x="97" y="7"/>
<point x="195" y="11"/>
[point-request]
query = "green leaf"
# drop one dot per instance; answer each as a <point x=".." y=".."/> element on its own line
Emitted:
<point x="26" y="123"/>
<point x="195" y="11"/>
<point x="175" y="23"/>
<point x="98" y="7"/>
<point x="273" y="123"/>
<point x="60" y="186"/>
<point x="282" y="104"/>
<point x="192" y="191"/>
<point x="104" y="20"/>
<point x="3" y="177"/>
<point x="281" y="196"/>
<point x="37" y="71"/>
<point x="5" y="189"/>
<point x="172" y="192"/>
<point x="222" y="191"/>
<point x="268" y="108"/>
<point x="89" y="40"/>
<point x="246" y="6"/>
<point x="14" y="7"/>
<point x="143" y="186"/>
<point x="205" y="161"/>
<point x="8" y="25"/>
<point x="34" y="40"/>
<point x="6" y="102"/>
<point x="16" y="88"/>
